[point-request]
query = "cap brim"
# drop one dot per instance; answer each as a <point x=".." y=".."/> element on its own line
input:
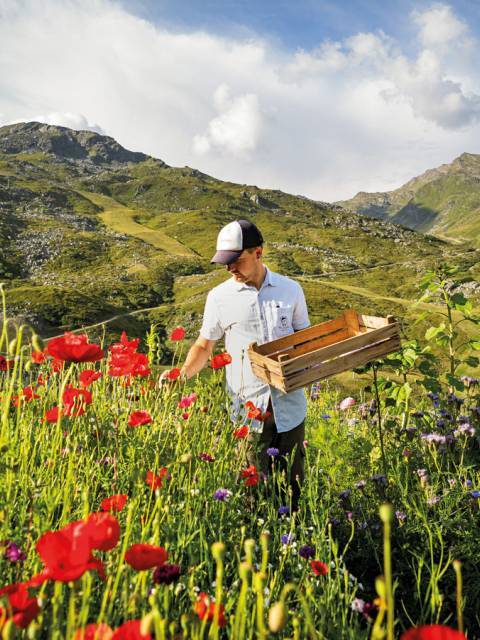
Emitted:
<point x="225" y="257"/>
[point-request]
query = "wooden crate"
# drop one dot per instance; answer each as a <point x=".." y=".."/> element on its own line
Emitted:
<point x="321" y="351"/>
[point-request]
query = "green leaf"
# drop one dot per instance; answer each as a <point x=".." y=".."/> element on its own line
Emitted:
<point x="475" y="344"/>
<point x="433" y="332"/>
<point x="455" y="382"/>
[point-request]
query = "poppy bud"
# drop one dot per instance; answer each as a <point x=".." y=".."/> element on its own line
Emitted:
<point x="145" y="624"/>
<point x="28" y="366"/>
<point x="12" y="347"/>
<point x="218" y="550"/>
<point x="244" y="570"/>
<point x="386" y="513"/>
<point x="185" y="459"/>
<point x="37" y="342"/>
<point x="277" y="617"/>
<point x="8" y="632"/>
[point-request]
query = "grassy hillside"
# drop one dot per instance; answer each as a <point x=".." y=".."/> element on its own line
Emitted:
<point x="91" y="232"/>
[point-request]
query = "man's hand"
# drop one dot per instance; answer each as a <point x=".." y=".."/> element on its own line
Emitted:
<point x="166" y="380"/>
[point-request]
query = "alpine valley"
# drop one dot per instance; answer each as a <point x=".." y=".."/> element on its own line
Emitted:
<point x="93" y="234"/>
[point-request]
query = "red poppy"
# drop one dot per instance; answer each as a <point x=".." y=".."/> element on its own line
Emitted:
<point x="41" y="380"/>
<point x="241" y="432"/>
<point x="156" y="481"/>
<point x="114" y="503"/>
<point x="67" y="554"/>
<point x="75" y="400"/>
<point x="221" y="360"/>
<point x="103" y="530"/>
<point x="74" y="348"/>
<point x="38" y="357"/>
<point x="185" y="415"/>
<point x="145" y="556"/>
<point x="128" y="364"/>
<point x="124" y="344"/>
<point x="29" y="394"/>
<point x="56" y="365"/>
<point x="88" y="376"/>
<point x="178" y="334"/>
<point x="204" y="607"/>
<point x="319" y="568"/>
<point x="250" y="475"/>
<point x="130" y="630"/>
<point x="5" y="364"/>
<point x="254" y="413"/>
<point x="94" y="632"/>
<point x="53" y="414"/>
<point x="172" y="374"/>
<point x="23" y="608"/>
<point x="137" y="418"/>
<point x="433" y="632"/>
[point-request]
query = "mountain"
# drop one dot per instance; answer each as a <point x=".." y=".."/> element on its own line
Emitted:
<point x="90" y="232"/>
<point x="444" y="201"/>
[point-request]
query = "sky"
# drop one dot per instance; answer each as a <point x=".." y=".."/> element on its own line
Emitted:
<point x="322" y="98"/>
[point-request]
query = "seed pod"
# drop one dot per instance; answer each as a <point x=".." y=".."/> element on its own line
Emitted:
<point x="277" y="617"/>
<point x="185" y="459"/>
<point x="37" y="342"/>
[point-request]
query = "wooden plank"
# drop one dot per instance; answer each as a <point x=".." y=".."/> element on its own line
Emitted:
<point x="352" y="322"/>
<point x="339" y="348"/>
<point x="342" y="363"/>
<point x="264" y="361"/>
<point x="272" y="378"/>
<point x="324" y="341"/>
<point x="372" y="322"/>
<point x="299" y="337"/>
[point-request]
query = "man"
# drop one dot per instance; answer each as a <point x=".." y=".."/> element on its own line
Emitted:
<point x="255" y="305"/>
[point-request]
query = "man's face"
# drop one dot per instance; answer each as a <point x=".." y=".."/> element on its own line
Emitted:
<point x="244" y="268"/>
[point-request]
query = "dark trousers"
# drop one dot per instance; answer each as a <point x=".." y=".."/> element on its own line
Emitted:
<point x="290" y="459"/>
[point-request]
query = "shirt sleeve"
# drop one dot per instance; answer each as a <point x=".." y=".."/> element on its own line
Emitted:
<point x="300" y="318"/>
<point x="211" y="326"/>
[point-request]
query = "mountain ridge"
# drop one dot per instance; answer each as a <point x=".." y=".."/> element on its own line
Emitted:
<point x="443" y="201"/>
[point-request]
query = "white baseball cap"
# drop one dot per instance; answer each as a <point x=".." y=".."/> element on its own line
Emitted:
<point x="234" y="238"/>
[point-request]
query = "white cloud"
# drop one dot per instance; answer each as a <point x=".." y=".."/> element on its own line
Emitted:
<point x="359" y="114"/>
<point x="438" y="25"/>
<point x="236" y="129"/>
<point x="75" y="121"/>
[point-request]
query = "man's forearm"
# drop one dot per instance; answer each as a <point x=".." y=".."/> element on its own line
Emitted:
<point x="197" y="358"/>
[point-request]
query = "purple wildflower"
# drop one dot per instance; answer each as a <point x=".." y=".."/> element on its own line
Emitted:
<point x="306" y="551"/>
<point x="13" y="552"/>
<point x="475" y="494"/>
<point x="464" y="429"/>
<point x="287" y="538"/>
<point x="272" y="452"/>
<point x="206" y="457"/>
<point x="284" y="510"/>
<point x="433" y="500"/>
<point x="344" y="495"/>
<point x="360" y="484"/>
<point x="222" y="494"/>
<point x="401" y="516"/>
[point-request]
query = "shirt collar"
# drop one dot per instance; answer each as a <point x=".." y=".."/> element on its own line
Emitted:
<point x="270" y="281"/>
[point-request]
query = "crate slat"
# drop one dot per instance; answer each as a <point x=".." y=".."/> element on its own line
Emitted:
<point x="299" y="337"/>
<point x="340" y="364"/>
<point x="340" y="348"/>
<point x="307" y="347"/>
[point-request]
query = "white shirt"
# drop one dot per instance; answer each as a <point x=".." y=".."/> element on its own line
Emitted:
<point x="244" y="315"/>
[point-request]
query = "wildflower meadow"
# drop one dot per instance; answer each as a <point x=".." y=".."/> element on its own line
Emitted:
<point x="129" y="511"/>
